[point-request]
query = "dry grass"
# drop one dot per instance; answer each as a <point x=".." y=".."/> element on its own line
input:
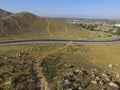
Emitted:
<point x="87" y="55"/>
<point x="104" y="54"/>
<point x="99" y="54"/>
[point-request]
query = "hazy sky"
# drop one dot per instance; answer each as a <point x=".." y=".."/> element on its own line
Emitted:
<point x="64" y="8"/>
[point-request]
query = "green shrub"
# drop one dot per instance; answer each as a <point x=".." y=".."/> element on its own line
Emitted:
<point x="118" y="31"/>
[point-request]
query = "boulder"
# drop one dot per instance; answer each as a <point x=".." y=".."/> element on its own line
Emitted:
<point x="97" y="78"/>
<point x="118" y="76"/>
<point x="79" y="88"/>
<point x="105" y="75"/>
<point x="1" y="80"/>
<point x="93" y="75"/>
<point x="107" y="79"/>
<point x="5" y="58"/>
<point x="110" y="65"/>
<point x="113" y="84"/>
<point x="101" y="82"/>
<point x="77" y="70"/>
<point x="66" y="82"/>
<point x="94" y="82"/>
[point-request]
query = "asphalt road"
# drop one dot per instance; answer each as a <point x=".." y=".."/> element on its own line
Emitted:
<point x="23" y="41"/>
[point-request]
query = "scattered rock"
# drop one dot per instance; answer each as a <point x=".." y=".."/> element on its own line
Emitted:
<point x="118" y="76"/>
<point x="10" y="68"/>
<point x="93" y="75"/>
<point x="68" y="66"/>
<point x="76" y="85"/>
<point x="20" y="54"/>
<point x="97" y="78"/>
<point x="79" y="88"/>
<point x="75" y="77"/>
<point x="8" y="83"/>
<point x="112" y="84"/>
<point x="94" y="82"/>
<point x="105" y="75"/>
<point x="103" y="89"/>
<point x="77" y="70"/>
<point x="107" y="79"/>
<point x="110" y="65"/>
<point x="66" y="82"/>
<point x="5" y="58"/>
<point x="95" y="70"/>
<point x="1" y="80"/>
<point x="101" y="82"/>
<point x="70" y="73"/>
<point x="84" y="72"/>
<point x="69" y="89"/>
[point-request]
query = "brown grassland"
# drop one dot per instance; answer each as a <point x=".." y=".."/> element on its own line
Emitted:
<point x="86" y="56"/>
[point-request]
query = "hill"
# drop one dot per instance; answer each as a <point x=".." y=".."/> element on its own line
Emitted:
<point x="24" y="22"/>
<point x="27" y="25"/>
<point x="4" y="13"/>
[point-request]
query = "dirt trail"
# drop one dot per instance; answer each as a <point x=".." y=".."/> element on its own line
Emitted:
<point x="66" y="29"/>
<point x="48" y="28"/>
<point x="40" y="82"/>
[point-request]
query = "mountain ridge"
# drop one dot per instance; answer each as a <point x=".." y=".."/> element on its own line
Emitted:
<point x="4" y="13"/>
<point x="25" y="22"/>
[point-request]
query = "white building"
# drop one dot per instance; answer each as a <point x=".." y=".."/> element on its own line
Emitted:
<point x="117" y="25"/>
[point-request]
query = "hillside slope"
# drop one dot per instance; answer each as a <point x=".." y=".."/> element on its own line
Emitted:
<point x="25" y="25"/>
<point x="4" y="13"/>
<point x="24" y="22"/>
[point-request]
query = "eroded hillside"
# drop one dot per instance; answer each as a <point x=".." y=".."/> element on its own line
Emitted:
<point x="4" y="13"/>
<point x="27" y="23"/>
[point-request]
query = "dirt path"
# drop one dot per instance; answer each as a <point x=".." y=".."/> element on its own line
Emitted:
<point x="66" y="29"/>
<point x="40" y="82"/>
<point x="48" y="28"/>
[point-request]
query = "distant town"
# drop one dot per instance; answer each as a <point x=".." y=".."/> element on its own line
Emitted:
<point x="108" y="26"/>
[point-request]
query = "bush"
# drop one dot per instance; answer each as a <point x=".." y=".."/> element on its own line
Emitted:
<point x="118" y="31"/>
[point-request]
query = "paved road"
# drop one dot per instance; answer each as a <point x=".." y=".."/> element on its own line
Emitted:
<point x="23" y="41"/>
